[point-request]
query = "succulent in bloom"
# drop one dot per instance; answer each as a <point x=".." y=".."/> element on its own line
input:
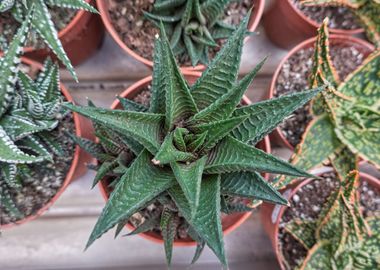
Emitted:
<point x="29" y="110"/>
<point x="340" y="237"/>
<point x="346" y="122"/>
<point x="42" y="23"/>
<point x="193" y="26"/>
<point x="193" y="147"/>
<point x="368" y="12"/>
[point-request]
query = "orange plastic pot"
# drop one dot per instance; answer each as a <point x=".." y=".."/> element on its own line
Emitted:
<point x="366" y="48"/>
<point x="80" y="38"/>
<point x="271" y="215"/>
<point x="103" y="8"/>
<point x="230" y="222"/>
<point x="286" y="26"/>
<point x="78" y="166"/>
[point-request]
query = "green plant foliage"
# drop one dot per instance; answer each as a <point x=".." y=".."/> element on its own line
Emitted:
<point x="29" y="109"/>
<point x="193" y="26"/>
<point x="190" y="153"/>
<point x="366" y="10"/>
<point x="346" y="120"/>
<point x="340" y="238"/>
<point x="41" y="21"/>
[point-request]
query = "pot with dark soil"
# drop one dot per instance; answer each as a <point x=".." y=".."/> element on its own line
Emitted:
<point x="293" y="74"/>
<point x="38" y="157"/>
<point x="288" y="22"/>
<point x="310" y="202"/>
<point x="180" y="162"/>
<point x="80" y="33"/>
<point x="194" y="44"/>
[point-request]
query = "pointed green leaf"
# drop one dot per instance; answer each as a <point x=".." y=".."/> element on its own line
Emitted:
<point x="343" y="162"/>
<point x="223" y="107"/>
<point x="9" y="64"/>
<point x="141" y="183"/>
<point x="179" y="138"/>
<point x="266" y="115"/>
<point x="130" y="105"/>
<point x="157" y="100"/>
<point x="231" y="155"/>
<point x="189" y="177"/>
<point x="43" y="24"/>
<point x="207" y="221"/>
<point x="73" y="4"/>
<point x="179" y="102"/>
<point x="104" y="168"/>
<point x="213" y="8"/>
<point x="363" y="83"/>
<point x="311" y="153"/>
<point x="302" y="231"/>
<point x="221" y="74"/>
<point x="9" y="174"/>
<point x="168" y="227"/>
<point x="251" y="185"/>
<point x="143" y="127"/>
<point x="90" y="147"/>
<point x="216" y="131"/>
<point x="197" y="141"/>
<point x="319" y="257"/>
<point x="169" y="153"/>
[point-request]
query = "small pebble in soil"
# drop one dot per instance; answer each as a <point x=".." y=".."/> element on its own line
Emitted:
<point x="339" y="17"/>
<point x="307" y="204"/>
<point x="294" y="75"/>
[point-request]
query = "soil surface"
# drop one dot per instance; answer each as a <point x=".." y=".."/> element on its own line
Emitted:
<point x="294" y="75"/>
<point x="46" y="178"/>
<point x="138" y="34"/>
<point x="307" y="203"/>
<point x="8" y="26"/>
<point x="340" y="17"/>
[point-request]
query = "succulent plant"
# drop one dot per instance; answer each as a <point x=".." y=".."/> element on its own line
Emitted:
<point x="193" y="147"/>
<point x="193" y="26"/>
<point x="346" y="117"/>
<point x="29" y="110"/>
<point x="340" y="237"/>
<point x="366" y="10"/>
<point x="42" y="23"/>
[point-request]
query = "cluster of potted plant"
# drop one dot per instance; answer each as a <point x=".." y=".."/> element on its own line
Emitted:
<point x="183" y="157"/>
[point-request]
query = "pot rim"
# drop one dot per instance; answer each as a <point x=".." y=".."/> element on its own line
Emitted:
<point x="337" y="31"/>
<point x="103" y="4"/>
<point x="340" y="39"/>
<point x="289" y="192"/>
<point x="74" y="162"/>
<point x="136" y="87"/>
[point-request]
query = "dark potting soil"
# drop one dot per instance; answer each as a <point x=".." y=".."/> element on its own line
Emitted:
<point x="339" y="17"/>
<point x="307" y="203"/>
<point x="8" y="26"/>
<point x="294" y="76"/>
<point x="138" y="34"/>
<point x="46" y="178"/>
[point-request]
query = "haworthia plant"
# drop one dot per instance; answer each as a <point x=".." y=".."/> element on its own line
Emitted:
<point x="346" y="120"/>
<point x="340" y="237"/>
<point x="368" y="12"/>
<point x="29" y="109"/>
<point x="193" y="146"/>
<point x="193" y="26"/>
<point x="42" y="21"/>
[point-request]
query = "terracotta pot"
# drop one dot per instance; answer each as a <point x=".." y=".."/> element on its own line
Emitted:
<point x="366" y="48"/>
<point x="230" y="222"/>
<point x="285" y="25"/>
<point x="103" y="8"/>
<point x="78" y="165"/>
<point x="80" y="38"/>
<point x="271" y="214"/>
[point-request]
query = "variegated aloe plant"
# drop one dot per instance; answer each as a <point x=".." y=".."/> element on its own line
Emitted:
<point x="368" y="12"/>
<point x="193" y="148"/>
<point x="346" y="118"/>
<point x="42" y="22"/>
<point x="193" y="26"/>
<point x="29" y="110"/>
<point x="340" y="238"/>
